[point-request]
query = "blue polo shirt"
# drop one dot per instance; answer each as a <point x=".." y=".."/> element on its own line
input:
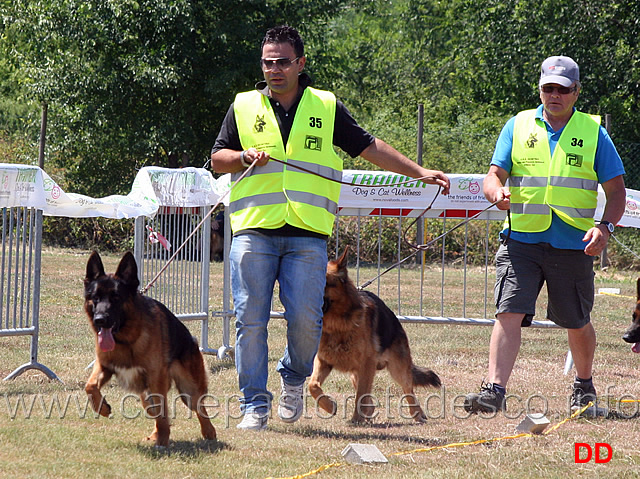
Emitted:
<point x="607" y="165"/>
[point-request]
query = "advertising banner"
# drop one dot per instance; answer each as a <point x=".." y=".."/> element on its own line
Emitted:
<point x="22" y="185"/>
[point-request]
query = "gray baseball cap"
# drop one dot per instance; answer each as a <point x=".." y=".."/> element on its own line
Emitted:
<point x="561" y="70"/>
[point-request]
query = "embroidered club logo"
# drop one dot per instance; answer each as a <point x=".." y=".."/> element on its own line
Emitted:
<point x="259" y="125"/>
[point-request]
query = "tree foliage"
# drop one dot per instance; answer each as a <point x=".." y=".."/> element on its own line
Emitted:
<point x="136" y="82"/>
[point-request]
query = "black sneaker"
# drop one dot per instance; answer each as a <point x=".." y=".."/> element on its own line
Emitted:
<point x="487" y="400"/>
<point x="582" y="395"/>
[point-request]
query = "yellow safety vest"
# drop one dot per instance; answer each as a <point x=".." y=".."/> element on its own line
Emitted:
<point x="565" y="183"/>
<point x="275" y="194"/>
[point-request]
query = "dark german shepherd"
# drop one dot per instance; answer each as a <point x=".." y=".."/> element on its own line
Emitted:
<point x="361" y="335"/>
<point x="632" y="335"/>
<point x="139" y="340"/>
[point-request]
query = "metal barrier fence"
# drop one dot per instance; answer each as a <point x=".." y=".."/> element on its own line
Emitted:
<point x="444" y="289"/>
<point x="184" y="285"/>
<point x="448" y="286"/>
<point x="20" y="280"/>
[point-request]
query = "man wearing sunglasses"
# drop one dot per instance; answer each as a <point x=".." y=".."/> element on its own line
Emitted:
<point x="282" y="215"/>
<point x="546" y="168"/>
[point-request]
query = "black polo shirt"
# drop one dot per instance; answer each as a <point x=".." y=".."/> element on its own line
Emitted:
<point x="347" y="134"/>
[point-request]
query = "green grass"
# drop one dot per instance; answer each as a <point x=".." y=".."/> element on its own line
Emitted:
<point x="46" y="443"/>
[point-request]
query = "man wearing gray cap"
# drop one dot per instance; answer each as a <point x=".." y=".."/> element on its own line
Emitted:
<point x="553" y="157"/>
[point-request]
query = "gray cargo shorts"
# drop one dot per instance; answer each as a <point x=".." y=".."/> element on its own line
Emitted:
<point x="522" y="269"/>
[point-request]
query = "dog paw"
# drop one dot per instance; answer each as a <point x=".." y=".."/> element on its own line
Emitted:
<point x="105" y="409"/>
<point x="328" y="404"/>
<point x="420" y="419"/>
<point x="210" y="434"/>
<point x="360" y="421"/>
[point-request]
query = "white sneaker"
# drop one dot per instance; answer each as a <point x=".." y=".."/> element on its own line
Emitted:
<point x="254" y="421"/>
<point x="291" y="402"/>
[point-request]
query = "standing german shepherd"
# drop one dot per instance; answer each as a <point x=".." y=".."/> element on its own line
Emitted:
<point x="632" y="335"/>
<point x="139" y="340"/>
<point x="361" y="335"/>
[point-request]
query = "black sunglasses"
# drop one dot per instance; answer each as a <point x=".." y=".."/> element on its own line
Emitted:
<point x="562" y="90"/>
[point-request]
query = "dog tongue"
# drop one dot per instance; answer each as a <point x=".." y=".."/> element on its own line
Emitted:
<point x="105" y="340"/>
<point x="636" y="348"/>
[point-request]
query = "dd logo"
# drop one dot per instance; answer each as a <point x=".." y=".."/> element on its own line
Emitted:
<point x="589" y="452"/>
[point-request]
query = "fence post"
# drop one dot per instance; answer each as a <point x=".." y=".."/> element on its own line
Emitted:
<point x="420" y="224"/>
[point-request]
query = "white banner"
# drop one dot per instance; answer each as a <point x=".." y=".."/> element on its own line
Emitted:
<point x="29" y="186"/>
<point x="376" y="190"/>
<point x="382" y="189"/>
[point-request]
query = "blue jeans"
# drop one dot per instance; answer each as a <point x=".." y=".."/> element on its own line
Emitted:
<point x="299" y="264"/>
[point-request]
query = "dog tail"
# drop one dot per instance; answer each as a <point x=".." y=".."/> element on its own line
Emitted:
<point x="424" y="377"/>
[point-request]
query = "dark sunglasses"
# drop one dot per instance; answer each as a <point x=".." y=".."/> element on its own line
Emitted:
<point x="269" y="63"/>
<point x="562" y="90"/>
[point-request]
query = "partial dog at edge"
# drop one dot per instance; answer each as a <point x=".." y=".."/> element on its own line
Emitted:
<point x="632" y="335"/>
<point x="140" y="341"/>
<point x="361" y="335"/>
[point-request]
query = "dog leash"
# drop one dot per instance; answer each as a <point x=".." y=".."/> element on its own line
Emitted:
<point x="422" y="247"/>
<point x="625" y="246"/>
<point x="193" y="232"/>
<point x="244" y="174"/>
<point x="350" y="184"/>
<point x="247" y="171"/>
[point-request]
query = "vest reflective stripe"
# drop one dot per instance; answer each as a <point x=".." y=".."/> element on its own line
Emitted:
<point x="576" y="212"/>
<point x="530" y="209"/>
<point x="278" y="194"/>
<point x="565" y="183"/>
<point x="578" y="183"/>
<point x="277" y="167"/>
<point x="536" y="181"/>
<point x="313" y="200"/>
<point x="269" y="199"/>
<point x="324" y="171"/>
<point x="270" y="167"/>
<point x="257" y="200"/>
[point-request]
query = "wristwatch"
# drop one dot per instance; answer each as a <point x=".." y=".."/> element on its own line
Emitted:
<point x="609" y="226"/>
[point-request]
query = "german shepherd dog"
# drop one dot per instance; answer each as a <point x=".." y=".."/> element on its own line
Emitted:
<point x="632" y="335"/>
<point x="140" y="341"/>
<point x="361" y="335"/>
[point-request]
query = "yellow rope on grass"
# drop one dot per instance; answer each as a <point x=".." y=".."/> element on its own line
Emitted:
<point x="315" y="471"/>
<point x="460" y="444"/>
<point x="447" y="446"/>
<point x="618" y="295"/>
<point x="575" y="414"/>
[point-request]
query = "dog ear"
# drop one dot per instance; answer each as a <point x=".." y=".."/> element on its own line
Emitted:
<point x="638" y="289"/>
<point x="128" y="271"/>
<point x="342" y="260"/>
<point x="95" y="268"/>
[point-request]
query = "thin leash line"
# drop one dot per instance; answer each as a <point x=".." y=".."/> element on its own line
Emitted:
<point x="193" y="232"/>
<point x="423" y="247"/>
<point x="351" y="184"/>
<point x="418" y="248"/>
<point x="625" y="246"/>
<point x="244" y="174"/>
